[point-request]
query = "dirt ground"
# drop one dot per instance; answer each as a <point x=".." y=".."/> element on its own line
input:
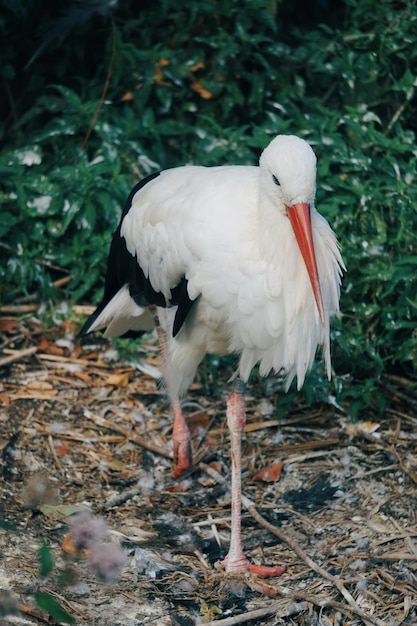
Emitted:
<point x="82" y="428"/>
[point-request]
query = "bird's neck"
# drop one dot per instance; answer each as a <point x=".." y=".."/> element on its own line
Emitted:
<point x="275" y="234"/>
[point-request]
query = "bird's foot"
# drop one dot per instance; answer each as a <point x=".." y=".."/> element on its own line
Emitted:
<point x="242" y="564"/>
<point x="181" y="440"/>
<point x="182" y="457"/>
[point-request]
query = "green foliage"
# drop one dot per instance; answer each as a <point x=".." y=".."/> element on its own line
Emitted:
<point x="52" y="607"/>
<point x="211" y="82"/>
<point x="46" y="560"/>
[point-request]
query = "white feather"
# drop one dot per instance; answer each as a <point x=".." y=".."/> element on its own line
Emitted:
<point x="226" y="230"/>
<point x="121" y="315"/>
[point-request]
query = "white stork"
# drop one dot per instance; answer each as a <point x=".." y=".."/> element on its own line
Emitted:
<point x="226" y="260"/>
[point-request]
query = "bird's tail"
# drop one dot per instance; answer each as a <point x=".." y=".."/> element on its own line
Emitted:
<point x="120" y="316"/>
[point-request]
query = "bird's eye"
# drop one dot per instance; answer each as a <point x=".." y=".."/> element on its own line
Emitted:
<point x="275" y="179"/>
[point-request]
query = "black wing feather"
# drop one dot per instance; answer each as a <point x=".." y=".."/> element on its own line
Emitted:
<point x="180" y="298"/>
<point x="123" y="268"/>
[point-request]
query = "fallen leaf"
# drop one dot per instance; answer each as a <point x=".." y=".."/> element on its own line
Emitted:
<point x="217" y="466"/>
<point x="35" y="394"/>
<point x="181" y="487"/>
<point x="366" y="427"/>
<point x="7" y="324"/>
<point x="61" y="512"/>
<point x="197" y="422"/>
<point x="4" y="399"/>
<point x="115" y="465"/>
<point x="39" y="384"/>
<point x="77" y="351"/>
<point x="118" y="380"/>
<point x="83" y="376"/>
<point x="133" y="530"/>
<point x="62" y="449"/>
<point x="50" y="347"/>
<point x="271" y="473"/>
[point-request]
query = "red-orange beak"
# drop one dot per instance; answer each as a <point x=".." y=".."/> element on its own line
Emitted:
<point x="300" y="219"/>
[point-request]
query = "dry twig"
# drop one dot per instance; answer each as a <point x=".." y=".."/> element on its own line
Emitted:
<point x="280" y="609"/>
<point x="17" y="355"/>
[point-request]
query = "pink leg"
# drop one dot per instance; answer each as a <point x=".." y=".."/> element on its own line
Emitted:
<point x="181" y="438"/>
<point x="182" y="442"/>
<point x="236" y="560"/>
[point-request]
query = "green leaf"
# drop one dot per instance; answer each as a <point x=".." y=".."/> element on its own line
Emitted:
<point x="50" y="605"/>
<point x="61" y="512"/>
<point x="46" y="560"/>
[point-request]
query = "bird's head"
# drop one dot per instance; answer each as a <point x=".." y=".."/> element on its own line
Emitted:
<point x="288" y="172"/>
<point x="288" y="178"/>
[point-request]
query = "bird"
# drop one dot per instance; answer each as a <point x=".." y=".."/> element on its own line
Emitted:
<point x="230" y="259"/>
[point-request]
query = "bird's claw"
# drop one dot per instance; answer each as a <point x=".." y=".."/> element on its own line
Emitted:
<point x="244" y="565"/>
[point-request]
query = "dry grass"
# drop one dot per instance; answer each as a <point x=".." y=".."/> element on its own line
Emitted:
<point x="75" y="429"/>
